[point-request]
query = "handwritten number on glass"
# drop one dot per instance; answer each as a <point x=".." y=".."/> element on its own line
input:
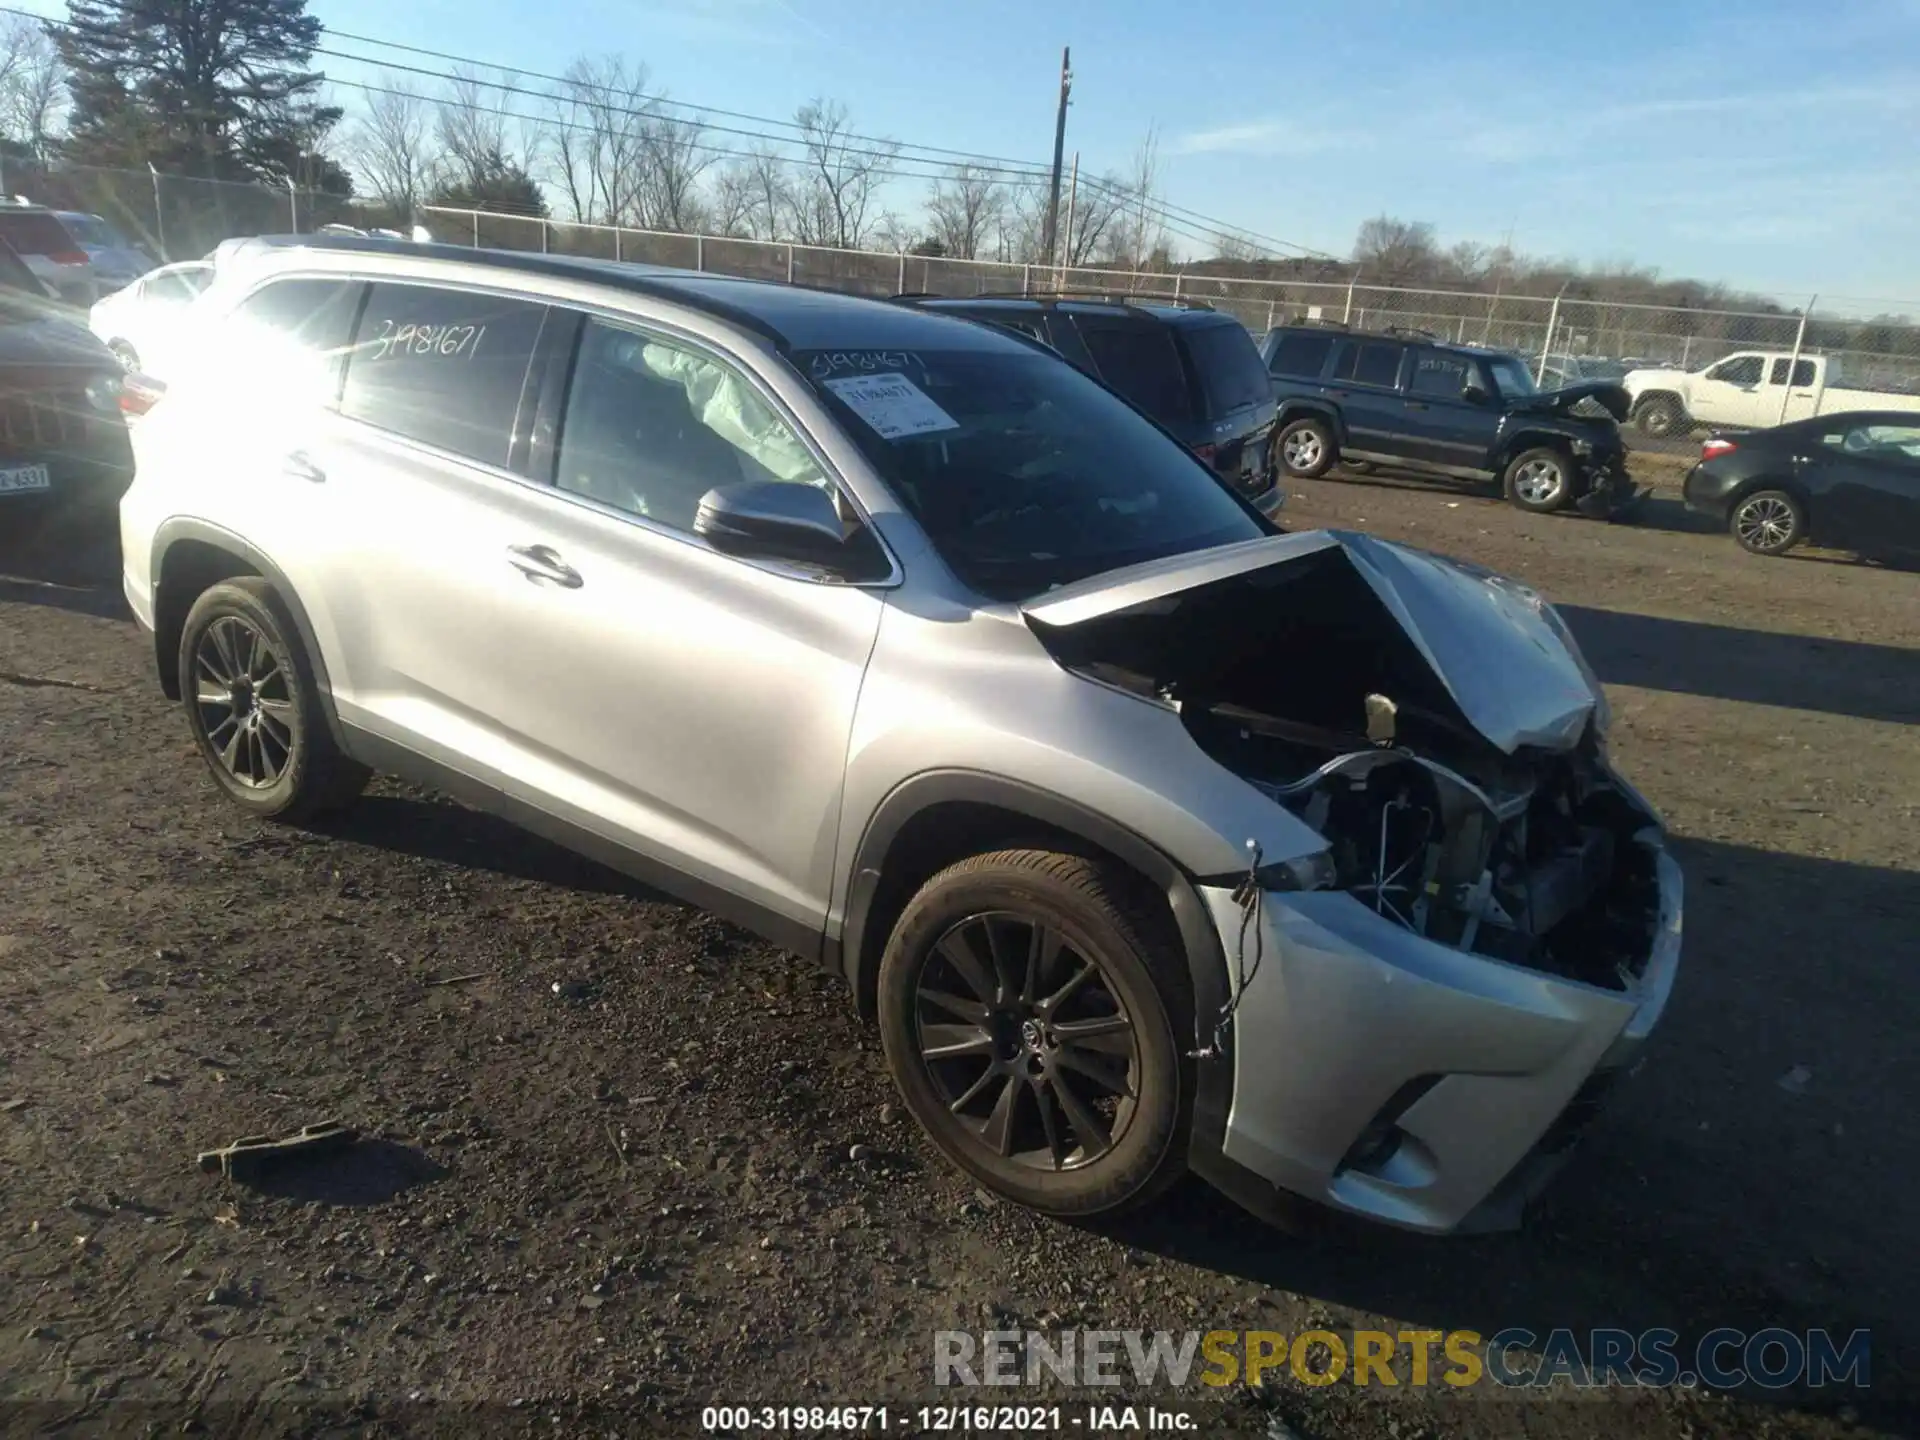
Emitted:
<point x="446" y="341"/>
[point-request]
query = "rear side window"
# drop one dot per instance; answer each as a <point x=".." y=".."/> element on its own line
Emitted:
<point x="34" y="232"/>
<point x="1369" y="364"/>
<point x="1802" y="372"/>
<point x="1231" y="375"/>
<point x="1301" y="356"/>
<point x="444" y="367"/>
<point x="1437" y="376"/>
<point x="1141" y="363"/>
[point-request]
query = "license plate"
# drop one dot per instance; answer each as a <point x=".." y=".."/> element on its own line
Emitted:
<point x="26" y="477"/>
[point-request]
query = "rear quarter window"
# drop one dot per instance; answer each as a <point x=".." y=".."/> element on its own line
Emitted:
<point x="35" y="233"/>
<point x="1140" y="362"/>
<point x="444" y="367"/>
<point x="1228" y="366"/>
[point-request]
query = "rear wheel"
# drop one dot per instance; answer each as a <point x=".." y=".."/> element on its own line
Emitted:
<point x="1540" y="480"/>
<point x="1768" y="522"/>
<point x="1028" y="1009"/>
<point x="128" y="357"/>
<point x="1307" y="448"/>
<point x="254" y="708"/>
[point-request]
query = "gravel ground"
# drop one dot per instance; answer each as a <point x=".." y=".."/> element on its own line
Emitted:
<point x="612" y="1140"/>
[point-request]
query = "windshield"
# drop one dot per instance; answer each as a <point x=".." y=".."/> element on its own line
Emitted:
<point x="1512" y="377"/>
<point x="1024" y="473"/>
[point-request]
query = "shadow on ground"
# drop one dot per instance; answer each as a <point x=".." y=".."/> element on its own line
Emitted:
<point x="1636" y="1233"/>
<point x="371" y="1172"/>
<point x="1760" y="667"/>
<point x="432" y="828"/>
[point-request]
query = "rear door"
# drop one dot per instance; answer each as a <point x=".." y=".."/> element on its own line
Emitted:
<point x="1443" y="429"/>
<point x="1789" y="397"/>
<point x="1871" y="500"/>
<point x="1365" y="384"/>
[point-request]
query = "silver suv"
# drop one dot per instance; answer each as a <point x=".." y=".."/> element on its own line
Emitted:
<point x="1153" y="838"/>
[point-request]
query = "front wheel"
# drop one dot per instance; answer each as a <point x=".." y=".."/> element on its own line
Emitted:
<point x="1540" y="480"/>
<point x="254" y="708"/>
<point x="1028" y="1008"/>
<point x="1768" y="522"/>
<point x="1661" y="416"/>
<point x="1307" y="448"/>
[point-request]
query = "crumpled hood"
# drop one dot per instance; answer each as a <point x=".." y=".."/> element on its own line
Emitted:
<point x="1502" y="654"/>
<point x="1611" y="394"/>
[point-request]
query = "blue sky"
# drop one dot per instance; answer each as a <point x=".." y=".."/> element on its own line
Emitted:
<point x="1768" y="143"/>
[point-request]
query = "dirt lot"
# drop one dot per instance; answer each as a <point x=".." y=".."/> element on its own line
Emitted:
<point x="612" y="1164"/>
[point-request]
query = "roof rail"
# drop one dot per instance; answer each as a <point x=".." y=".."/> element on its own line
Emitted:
<point x="1412" y="332"/>
<point x="1143" y="297"/>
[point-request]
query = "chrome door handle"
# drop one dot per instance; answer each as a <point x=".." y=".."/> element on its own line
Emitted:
<point x="297" y="465"/>
<point x="543" y="562"/>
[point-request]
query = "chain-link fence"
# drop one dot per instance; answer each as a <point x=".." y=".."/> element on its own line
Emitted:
<point x="1551" y="330"/>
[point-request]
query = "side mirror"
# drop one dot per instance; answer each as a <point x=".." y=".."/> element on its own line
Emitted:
<point x="1474" y="393"/>
<point x="772" y="520"/>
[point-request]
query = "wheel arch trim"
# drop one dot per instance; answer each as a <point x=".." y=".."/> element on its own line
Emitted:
<point x="1200" y="942"/>
<point x="176" y="529"/>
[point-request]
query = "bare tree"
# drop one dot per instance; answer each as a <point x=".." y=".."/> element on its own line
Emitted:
<point x="392" y="146"/>
<point x="471" y="125"/>
<point x="842" y="173"/>
<point x="1395" y="251"/>
<point x="676" y="156"/>
<point x="770" y="193"/>
<point x="964" y="208"/>
<point x="597" y="146"/>
<point x="1087" y="226"/>
<point x="731" y="212"/>
<point x="1142" y="231"/>
<point x="32" y="85"/>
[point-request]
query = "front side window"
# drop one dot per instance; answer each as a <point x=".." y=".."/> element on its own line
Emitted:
<point x="1802" y="372"/>
<point x="175" y="286"/>
<point x="651" y="426"/>
<point x="1741" y="370"/>
<point x="1141" y="363"/>
<point x="1898" y="445"/>
<point x="1023" y="473"/>
<point x="1511" y="376"/>
<point x="444" y="367"/>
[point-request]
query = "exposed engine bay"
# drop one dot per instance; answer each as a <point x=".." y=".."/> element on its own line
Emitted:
<point x="1323" y="683"/>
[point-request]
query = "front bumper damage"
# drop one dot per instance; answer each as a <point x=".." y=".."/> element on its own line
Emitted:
<point x="1387" y="1075"/>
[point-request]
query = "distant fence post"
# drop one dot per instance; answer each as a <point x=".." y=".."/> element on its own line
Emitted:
<point x="1346" y="316"/>
<point x="544" y="242"/>
<point x="789" y="264"/>
<point x="1799" y="339"/>
<point x="699" y="251"/>
<point x="900" y="286"/>
<point x="1269" y="314"/>
<point x="159" y="215"/>
<point x="476" y="229"/>
<point x="1553" y="320"/>
<point x="617" y="233"/>
<point x="1176" y="285"/>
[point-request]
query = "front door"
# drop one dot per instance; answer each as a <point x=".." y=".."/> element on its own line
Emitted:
<point x="695" y="707"/>
<point x="1732" y="393"/>
<point x="1872" y="499"/>
<point x="1445" y="429"/>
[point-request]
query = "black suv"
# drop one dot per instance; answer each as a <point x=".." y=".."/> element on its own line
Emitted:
<point x="1407" y="399"/>
<point x="64" y="452"/>
<point x="1190" y="368"/>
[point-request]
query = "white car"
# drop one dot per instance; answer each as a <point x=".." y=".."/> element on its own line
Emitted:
<point x="148" y="322"/>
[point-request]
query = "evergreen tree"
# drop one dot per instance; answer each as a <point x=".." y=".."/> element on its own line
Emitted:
<point x="218" y="88"/>
<point x="490" y="182"/>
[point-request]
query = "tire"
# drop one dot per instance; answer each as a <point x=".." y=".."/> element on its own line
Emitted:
<point x="1767" y="522"/>
<point x="1307" y="448"/>
<point x="1540" y="480"/>
<point x="1015" y="1102"/>
<point x="1357" y="467"/>
<point x="1660" y="416"/>
<point x="264" y="738"/>
<point x="128" y="357"/>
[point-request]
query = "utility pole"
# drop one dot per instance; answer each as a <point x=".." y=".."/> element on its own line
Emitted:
<point x="1073" y="191"/>
<point x="1059" y="150"/>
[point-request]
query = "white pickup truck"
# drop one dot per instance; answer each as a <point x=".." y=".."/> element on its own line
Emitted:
<point x="1750" y="389"/>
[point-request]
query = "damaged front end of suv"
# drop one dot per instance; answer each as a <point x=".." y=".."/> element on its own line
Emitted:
<point x="1427" y="1010"/>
